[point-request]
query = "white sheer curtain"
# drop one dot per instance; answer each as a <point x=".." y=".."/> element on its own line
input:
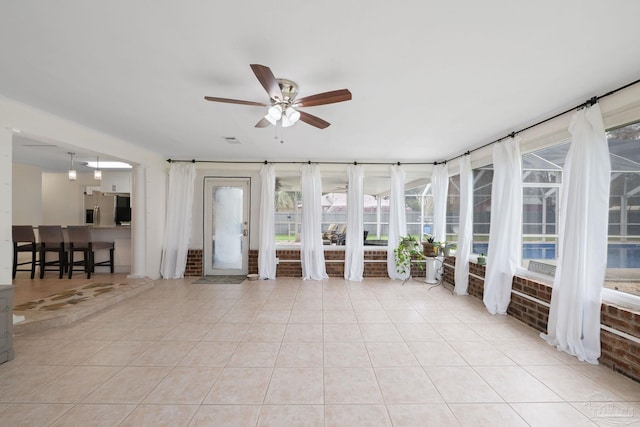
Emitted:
<point x="397" y="220"/>
<point x="505" y="235"/>
<point x="465" y="228"/>
<point x="574" y="318"/>
<point x="312" y="251"/>
<point x="439" y="189"/>
<point x="267" y="244"/>
<point x="177" y="233"/>
<point x="354" y="252"/>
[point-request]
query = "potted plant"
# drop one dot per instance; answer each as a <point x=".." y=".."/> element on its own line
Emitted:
<point x="482" y="260"/>
<point x="446" y="248"/>
<point x="408" y="248"/>
<point x="430" y="246"/>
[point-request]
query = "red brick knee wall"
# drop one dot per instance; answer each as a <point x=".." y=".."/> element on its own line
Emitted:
<point x="375" y="264"/>
<point x="194" y="263"/>
<point x="289" y="265"/>
<point x="618" y="353"/>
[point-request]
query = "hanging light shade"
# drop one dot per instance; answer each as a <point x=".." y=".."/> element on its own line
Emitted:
<point x="289" y="117"/>
<point x="275" y="112"/>
<point x="73" y="175"/>
<point x="271" y="119"/>
<point x="97" y="174"/>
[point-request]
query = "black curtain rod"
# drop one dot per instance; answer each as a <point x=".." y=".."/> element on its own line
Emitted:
<point x="592" y="101"/>
<point x="264" y="162"/>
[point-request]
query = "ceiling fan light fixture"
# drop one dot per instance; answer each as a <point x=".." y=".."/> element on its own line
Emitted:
<point x="292" y="114"/>
<point x="290" y="117"/>
<point x="271" y="119"/>
<point x="275" y="112"/>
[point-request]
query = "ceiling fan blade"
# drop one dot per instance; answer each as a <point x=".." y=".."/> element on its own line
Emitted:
<point x="324" y="98"/>
<point x="263" y="123"/>
<point x="234" y="101"/>
<point x="312" y="120"/>
<point x="267" y="80"/>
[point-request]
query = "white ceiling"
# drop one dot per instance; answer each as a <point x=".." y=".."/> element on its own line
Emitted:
<point x="430" y="79"/>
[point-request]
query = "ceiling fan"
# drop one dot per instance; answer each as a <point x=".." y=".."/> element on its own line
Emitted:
<point x="283" y="105"/>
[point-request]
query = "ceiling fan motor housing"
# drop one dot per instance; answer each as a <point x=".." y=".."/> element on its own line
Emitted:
<point x="289" y="90"/>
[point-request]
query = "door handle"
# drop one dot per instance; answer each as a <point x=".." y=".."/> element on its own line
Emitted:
<point x="245" y="232"/>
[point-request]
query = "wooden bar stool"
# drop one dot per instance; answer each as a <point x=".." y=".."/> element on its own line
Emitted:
<point x="24" y="240"/>
<point x="52" y="241"/>
<point x="80" y="240"/>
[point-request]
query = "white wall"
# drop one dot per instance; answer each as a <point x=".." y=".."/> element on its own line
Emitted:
<point x="27" y="194"/>
<point x="6" y="241"/>
<point x="63" y="200"/>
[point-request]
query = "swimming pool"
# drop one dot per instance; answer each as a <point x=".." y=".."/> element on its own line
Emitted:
<point x="619" y="255"/>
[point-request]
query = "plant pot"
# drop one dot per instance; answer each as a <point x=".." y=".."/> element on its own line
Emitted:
<point x="429" y="249"/>
<point x="482" y="260"/>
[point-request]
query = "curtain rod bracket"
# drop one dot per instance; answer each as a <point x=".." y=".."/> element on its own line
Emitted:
<point x="193" y="161"/>
<point x="512" y="134"/>
<point x="309" y="162"/>
<point x="265" y="162"/>
<point x="398" y="163"/>
<point x="169" y="160"/>
<point x="591" y="102"/>
<point x="355" y="163"/>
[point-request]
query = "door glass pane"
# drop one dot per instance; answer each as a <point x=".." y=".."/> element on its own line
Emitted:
<point x="227" y="227"/>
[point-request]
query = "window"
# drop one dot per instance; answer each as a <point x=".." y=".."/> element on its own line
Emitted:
<point x="542" y="179"/>
<point x="541" y="183"/>
<point x="453" y="209"/>
<point x="376" y="219"/>
<point x="414" y="210"/>
<point x="334" y="216"/>
<point x="482" y="178"/>
<point x="623" y="252"/>
<point x="288" y="213"/>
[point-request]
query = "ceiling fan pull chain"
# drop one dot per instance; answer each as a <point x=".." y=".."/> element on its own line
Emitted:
<point x="281" y="129"/>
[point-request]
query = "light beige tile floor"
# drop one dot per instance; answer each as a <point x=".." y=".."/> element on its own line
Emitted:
<point x="300" y="353"/>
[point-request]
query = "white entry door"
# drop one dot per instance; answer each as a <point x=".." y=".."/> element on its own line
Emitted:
<point x="226" y="226"/>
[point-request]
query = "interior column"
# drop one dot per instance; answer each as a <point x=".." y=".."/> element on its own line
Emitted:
<point x="138" y="223"/>
<point x="6" y="241"/>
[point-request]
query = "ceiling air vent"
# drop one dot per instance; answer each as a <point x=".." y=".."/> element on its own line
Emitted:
<point x="232" y="140"/>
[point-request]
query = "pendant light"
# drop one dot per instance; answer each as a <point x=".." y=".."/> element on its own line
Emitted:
<point x="73" y="175"/>
<point x="97" y="174"/>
